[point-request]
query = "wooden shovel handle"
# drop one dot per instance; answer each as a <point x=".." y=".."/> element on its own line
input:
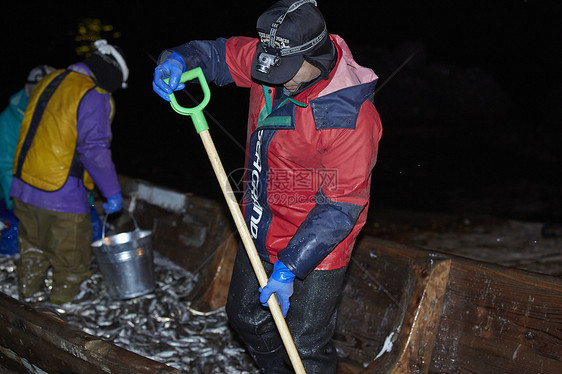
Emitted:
<point x="251" y="249"/>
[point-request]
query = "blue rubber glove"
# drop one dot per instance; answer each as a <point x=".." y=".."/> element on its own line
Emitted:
<point x="280" y="283"/>
<point x="172" y="68"/>
<point x="114" y="203"/>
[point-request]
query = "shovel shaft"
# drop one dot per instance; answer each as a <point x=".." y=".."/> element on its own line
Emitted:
<point x="251" y="249"/>
<point x="196" y="114"/>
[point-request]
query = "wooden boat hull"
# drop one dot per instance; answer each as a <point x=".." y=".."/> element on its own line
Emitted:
<point x="446" y="314"/>
<point x="31" y="339"/>
<point x="404" y="309"/>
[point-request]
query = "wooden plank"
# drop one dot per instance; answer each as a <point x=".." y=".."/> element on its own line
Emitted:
<point x="213" y="292"/>
<point x="471" y="316"/>
<point x="373" y="303"/>
<point x="55" y="347"/>
<point x="415" y="317"/>
<point x="418" y="334"/>
<point x="500" y="320"/>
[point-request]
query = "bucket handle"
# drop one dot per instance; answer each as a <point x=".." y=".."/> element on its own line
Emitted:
<point x="131" y="209"/>
<point x="103" y="226"/>
<point x="132" y="206"/>
<point x="134" y="221"/>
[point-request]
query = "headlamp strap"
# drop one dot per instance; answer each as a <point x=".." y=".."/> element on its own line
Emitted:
<point x="107" y="49"/>
<point x="301" y="48"/>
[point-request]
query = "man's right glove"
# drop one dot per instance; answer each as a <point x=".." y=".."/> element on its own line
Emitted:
<point x="280" y="283"/>
<point x="172" y="68"/>
<point x="114" y="203"/>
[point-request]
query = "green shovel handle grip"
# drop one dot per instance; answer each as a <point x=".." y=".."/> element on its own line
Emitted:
<point x="195" y="112"/>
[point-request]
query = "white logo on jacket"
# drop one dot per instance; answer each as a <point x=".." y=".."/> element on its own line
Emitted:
<point x="254" y="188"/>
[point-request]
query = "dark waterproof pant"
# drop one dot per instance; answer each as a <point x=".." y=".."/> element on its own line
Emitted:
<point x="311" y="318"/>
<point x="47" y="238"/>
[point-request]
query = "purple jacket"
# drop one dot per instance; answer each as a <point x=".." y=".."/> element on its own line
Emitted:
<point x="94" y="140"/>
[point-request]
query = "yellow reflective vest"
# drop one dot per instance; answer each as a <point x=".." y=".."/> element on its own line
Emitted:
<point x="46" y="152"/>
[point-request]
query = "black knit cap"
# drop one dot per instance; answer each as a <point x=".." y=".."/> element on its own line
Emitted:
<point x="290" y="32"/>
<point x="106" y="70"/>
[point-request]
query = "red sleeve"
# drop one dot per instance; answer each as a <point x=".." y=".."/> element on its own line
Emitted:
<point x="240" y="53"/>
<point x="353" y="153"/>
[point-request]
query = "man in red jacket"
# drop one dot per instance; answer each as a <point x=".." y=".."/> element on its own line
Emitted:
<point x="313" y="135"/>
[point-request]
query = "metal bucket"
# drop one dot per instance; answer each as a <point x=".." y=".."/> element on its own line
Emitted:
<point x="126" y="263"/>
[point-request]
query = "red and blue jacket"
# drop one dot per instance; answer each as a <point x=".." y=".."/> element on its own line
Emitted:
<point x="309" y="158"/>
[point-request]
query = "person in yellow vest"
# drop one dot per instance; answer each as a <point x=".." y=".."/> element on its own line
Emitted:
<point x="62" y="151"/>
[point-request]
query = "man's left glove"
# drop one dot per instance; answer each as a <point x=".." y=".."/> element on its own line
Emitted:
<point x="114" y="203"/>
<point x="280" y="283"/>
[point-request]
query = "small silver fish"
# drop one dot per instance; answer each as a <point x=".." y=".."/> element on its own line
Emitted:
<point x="160" y="325"/>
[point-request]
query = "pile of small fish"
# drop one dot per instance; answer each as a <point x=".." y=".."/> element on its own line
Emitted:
<point x="160" y="325"/>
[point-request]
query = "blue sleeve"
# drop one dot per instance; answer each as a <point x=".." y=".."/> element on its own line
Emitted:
<point x="208" y="54"/>
<point x="10" y="122"/>
<point x="325" y="226"/>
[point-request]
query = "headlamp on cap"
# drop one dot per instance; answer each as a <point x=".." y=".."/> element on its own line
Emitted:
<point x="289" y="32"/>
<point x="107" y="49"/>
<point x="38" y="72"/>
<point x="265" y="61"/>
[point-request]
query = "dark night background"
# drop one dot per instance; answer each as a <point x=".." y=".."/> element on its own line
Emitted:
<point x="472" y="123"/>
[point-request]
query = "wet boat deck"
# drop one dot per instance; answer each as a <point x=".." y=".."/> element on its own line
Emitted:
<point x="404" y="308"/>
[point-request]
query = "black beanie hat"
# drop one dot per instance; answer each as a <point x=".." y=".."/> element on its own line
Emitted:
<point x="106" y="70"/>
